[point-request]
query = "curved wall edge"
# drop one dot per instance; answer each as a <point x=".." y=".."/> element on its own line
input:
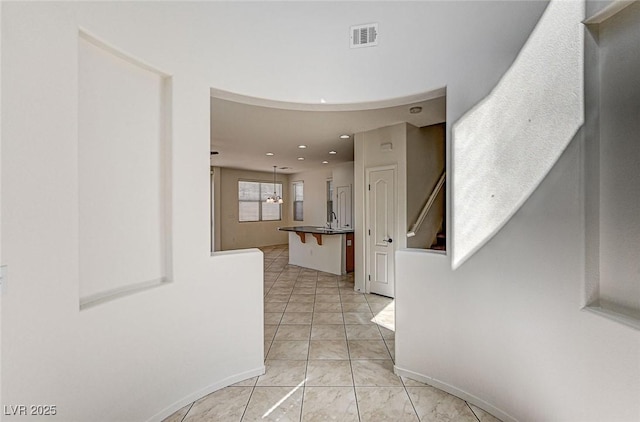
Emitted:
<point x="516" y="300"/>
<point x="508" y="326"/>
<point x="455" y="391"/>
<point x="226" y="382"/>
<point x="356" y="106"/>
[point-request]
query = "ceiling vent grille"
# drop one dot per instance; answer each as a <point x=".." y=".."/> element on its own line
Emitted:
<point x="364" y="35"/>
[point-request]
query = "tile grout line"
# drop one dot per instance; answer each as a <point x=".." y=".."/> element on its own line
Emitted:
<point x="410" y="399"/>
<point x="306" y="369"/>
<point x="392" y="355"/>
<point x="285" y="308"/>
<point x="393" y="360"/>
<point x="337" y="284"/>
<point x="253" y="389"/>
<point x="246" y="406"/>
<point x="353" y="378"/>
<point x="285" y="279"/>
<point x="472" y="412"/>
<point x="185" y="415"/>
<point x="271" y="343"/>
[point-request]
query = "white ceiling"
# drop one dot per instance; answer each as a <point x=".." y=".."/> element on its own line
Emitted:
<point x="243" y="133"/>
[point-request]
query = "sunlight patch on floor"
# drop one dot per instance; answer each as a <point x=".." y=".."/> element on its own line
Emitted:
<point x="283" y="399"/>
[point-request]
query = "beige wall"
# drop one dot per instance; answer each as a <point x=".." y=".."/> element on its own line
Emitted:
<point x="425" y="163"/>
<point x="233" y="234"/>
<point x="237" y="235"/>
<point x="315" y="191"/>
<point x="315" y="196"/>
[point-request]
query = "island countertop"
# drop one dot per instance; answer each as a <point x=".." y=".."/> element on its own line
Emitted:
<point x="315" y="230"/>
<point x="319" y="248"/>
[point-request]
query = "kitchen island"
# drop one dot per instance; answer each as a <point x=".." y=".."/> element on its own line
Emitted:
<point x="320" y="248"/>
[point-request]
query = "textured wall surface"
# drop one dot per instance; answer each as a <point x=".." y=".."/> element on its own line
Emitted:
<point x="504" y="328"/>
<point x="506" y="144"/>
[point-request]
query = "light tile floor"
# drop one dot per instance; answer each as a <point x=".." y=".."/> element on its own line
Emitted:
<point x="329" y="357"/>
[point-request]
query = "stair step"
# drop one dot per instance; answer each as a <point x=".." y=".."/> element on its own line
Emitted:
<point x="440" y="243"/>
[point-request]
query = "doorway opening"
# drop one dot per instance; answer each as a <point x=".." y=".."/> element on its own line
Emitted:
<point x="402" y="198"/>
<point x="381" y="200"/>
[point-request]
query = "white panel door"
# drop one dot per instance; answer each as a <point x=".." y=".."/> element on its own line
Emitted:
<point x="381" y="232"/>
<point x="343" y="206"/>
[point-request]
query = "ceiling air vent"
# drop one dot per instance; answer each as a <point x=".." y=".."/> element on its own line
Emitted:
<point x="364" y="35"/>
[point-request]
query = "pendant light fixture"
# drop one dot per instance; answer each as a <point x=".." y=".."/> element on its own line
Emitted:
<point x="275" y="198"/>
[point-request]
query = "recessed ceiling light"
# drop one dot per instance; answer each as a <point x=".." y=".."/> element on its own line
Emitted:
<point x="415" y="110"/>
<point x="332" y="152"/>
<point x="269" y="154"/>
<point x="300" y="158"/>
<point x="302" y="146"/>
<point x="325" y="162"/>
<point x="345" y="136"/>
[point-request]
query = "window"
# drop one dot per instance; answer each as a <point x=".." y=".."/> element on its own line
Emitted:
<point x="329" y="200"/>
<point x="298" y="197"/>
<point x="252" y="205"/>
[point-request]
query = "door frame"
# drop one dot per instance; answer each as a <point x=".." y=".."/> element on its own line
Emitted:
<point x="349" y="212"/>
<point x="367" y="219"/>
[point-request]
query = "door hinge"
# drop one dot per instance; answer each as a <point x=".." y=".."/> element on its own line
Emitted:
<point x="369" y="187"/>
<point x="369" y="232"/>
<point x="369" y="277"/>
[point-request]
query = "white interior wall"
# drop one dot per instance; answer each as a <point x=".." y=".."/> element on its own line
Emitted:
<point x="369" y="153"/>
<point x="122" y="172"/>
<point x="506" y="331"/>
<point x="591" y="164"/>
<point x="1" y="259"/>
<point x="328" y="257"/>
<point x="315" y="197"/>
<point x="512" y="312"/>
<point x="619" y="85"/>
<point x="149" y="353"/>
<point x="172" y="360"/>
<point x="249" y="234"/>
<point x="343" y="175"/>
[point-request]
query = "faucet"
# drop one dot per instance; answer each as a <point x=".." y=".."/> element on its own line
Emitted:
<point x="333" y="216"/>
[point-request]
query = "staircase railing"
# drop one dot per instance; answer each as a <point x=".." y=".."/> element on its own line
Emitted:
<point x="427" y="206"/>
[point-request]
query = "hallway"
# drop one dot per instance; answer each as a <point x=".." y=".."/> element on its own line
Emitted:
<point x="329" y="357"/>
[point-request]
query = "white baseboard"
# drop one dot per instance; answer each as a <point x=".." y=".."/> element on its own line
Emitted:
<point x="487" y="407"/>
<point x="171" y="409"/>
